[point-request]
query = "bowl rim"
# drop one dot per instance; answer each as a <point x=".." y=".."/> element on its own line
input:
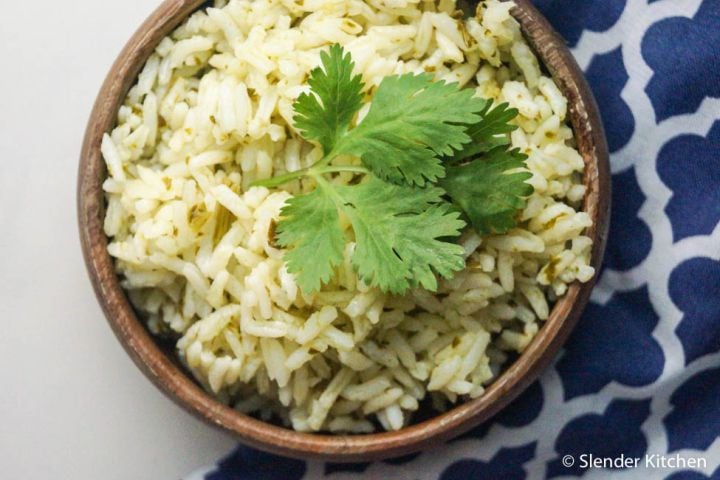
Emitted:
<point x="183" y="390"/>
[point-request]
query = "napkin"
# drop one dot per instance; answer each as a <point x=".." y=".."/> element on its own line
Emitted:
<point x="636" y="391"/>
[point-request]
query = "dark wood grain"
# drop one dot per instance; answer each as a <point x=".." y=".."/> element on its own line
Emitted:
<point x="158" y="364"/>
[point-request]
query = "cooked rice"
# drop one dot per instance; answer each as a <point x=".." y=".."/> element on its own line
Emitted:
<point x="212" y="112"/>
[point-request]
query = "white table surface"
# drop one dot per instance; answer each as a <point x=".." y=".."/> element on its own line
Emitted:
<point x="72" y="404"/>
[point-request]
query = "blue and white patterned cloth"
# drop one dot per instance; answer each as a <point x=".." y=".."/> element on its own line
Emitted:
<point x="641" y="374"/>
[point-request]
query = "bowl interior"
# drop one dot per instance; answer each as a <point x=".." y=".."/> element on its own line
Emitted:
<point x="157" y="360"/>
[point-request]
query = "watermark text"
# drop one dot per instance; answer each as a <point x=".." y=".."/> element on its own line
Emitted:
<point x="653" y="461"/>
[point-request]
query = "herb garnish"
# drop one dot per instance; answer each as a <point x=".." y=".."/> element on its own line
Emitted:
<point x="432" y="156"/>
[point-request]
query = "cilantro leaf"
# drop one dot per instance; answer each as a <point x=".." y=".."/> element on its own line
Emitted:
<point x="336" y="96"/>
<point x="401" y="235"/>
<point x="489" y="195"/>
<point x="310" y="229"/>
<point x="399" y="232"/>
<point x="411" y="122"/>
<point x="488" y="133"/>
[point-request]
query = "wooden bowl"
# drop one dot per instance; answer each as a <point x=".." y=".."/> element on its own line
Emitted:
<point x="159" y="364"/>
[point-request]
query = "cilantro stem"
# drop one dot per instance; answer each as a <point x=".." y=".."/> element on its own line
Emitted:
<point x="313" y="171"/>
<point x="329" y="157"/>
<point x="339" y="168"/>
<point x="280" y="179"/>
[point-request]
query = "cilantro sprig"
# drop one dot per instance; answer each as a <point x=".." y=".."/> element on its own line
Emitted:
<point x="434" y="158"/>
